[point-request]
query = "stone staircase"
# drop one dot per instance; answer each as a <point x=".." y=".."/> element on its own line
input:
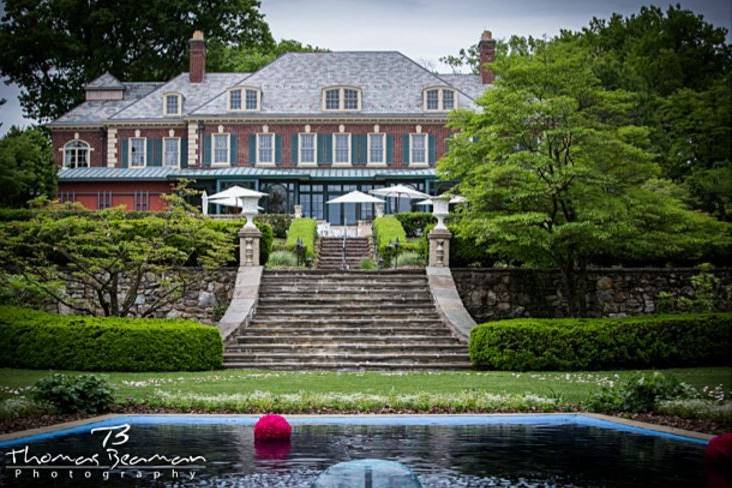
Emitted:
<point x="330" y="253"/>
<point x="346" y="321"/>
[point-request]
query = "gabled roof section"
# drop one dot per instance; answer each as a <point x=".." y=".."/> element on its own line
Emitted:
<point x="391" y="83"/>
<point x="98" y="111"/>
<point x="194" y="95"/>
<point x="105" y="82"/>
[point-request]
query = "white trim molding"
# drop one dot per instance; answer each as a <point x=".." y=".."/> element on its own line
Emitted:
<point x="179" y="104"/>
<point x="341" y="164"/>
<point x="177" y="159"/>
<point x="419" y="164"/>
<point x="314" y="162"/>
<point x="144" y="152"/>
<point x="243" y="91"/>
<point x="218" y="164"/>
<point x="376" y="164"/>
<point x="266" y="164"/>
<point x="440" y="98"/>
<point x="341" y="98"/>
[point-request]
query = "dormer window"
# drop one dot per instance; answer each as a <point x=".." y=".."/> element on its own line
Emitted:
<point x="438" y="99"/>
<point x="341" y="99"/>
<point x="172" y="104"/>
<point x="244" y="99"/>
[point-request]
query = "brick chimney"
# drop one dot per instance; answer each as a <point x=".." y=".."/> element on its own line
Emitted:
<point x="197" y="53"/>
<point x="487" y="50"/>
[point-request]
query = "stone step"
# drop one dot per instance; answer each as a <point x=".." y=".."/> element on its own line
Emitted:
<point x="328" y="283"/>
<point x="422" y="296"/>
<point x="339" y="366"/>
<point x="348" y="357"/>
<point x="328" y="331"/>
<point x="300" y="288"/>
<point x="384" y="273"/>
<point x="244" y="349"/>
<point x="350" y="317"/>
<point x="315" y="340"/>
<point x="294" y="321"/>
<point x="346" y="309"/>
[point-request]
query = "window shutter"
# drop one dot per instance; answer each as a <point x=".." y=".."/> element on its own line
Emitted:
<point x="389" y="149"/>
<point x="123" y="152"/>
<point x="325" y="148"/>
<point x="252" y="148"/>
<point x="432" y="145"/>
<point x="233" y="149"/>
<point x="278" y="149"/>
<point x="405" y="149"/>
<point x="154" y="152"/>
<point x="184" y="153"/>
<point x="294" y="155"/>
<point x="207" y="150"/>
<point x="359" y="146"/>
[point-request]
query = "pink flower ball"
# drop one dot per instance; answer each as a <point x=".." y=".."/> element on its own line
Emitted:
<point x="272" y="427"/>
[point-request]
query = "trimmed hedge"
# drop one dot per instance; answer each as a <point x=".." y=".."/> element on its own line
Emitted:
<point x="415" y="223"/>
<point x="33" y="339"/>
<point x="656" y="341"/>
<point x="305" y="229"/>
<point x="388" y="229"/>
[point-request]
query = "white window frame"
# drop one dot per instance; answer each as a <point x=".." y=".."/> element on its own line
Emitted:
<point x="243" y="96"/>
<point x="274" y="149"/>
<point x="88" y="150"/>
<point x="177" y="159"/>
<point x="144" y="152"/>
<point x="314" y="162"/>
<point x="369" y="161"/>
<point x="426" y="161"/>
<point x="165" y="103"/>
<point x="348" y="163"/>
<point x="342" y="99"/>
<point x="228" y="149"/>
<point x="440" y="99"/>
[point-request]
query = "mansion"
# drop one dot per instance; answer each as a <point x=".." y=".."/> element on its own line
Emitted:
<point x="303" y="129"/>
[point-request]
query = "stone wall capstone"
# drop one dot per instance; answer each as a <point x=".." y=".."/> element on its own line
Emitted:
<point x="205" y="296"/>
<point x="497" y="293"/>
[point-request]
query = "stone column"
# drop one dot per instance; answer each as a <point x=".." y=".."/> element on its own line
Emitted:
<point x="249" y="246"/>
<point x="439" y="248"/>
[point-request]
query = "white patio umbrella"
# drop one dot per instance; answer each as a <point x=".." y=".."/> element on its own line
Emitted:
<point x="235" y="196"/>
<point x="352" y="197"/>
<point x="399" y="191"/>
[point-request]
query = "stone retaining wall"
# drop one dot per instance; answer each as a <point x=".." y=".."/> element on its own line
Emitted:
<point x="505" y="293"/>
<point x="206" y="294"/>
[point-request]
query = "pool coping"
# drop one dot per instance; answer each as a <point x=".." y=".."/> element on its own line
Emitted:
<point x="597" y="416"/>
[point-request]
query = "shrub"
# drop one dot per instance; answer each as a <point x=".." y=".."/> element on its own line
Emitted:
<point x="409" y="258"/>
<point x="232" y="228"/>
<point x="707" y="294"/>
<point x="279" y="223"/>
<point x="367" y="264"/>
<point x="282" y="259"/>
<point x="639" y="393"/>
<point x="415" y="223"/>
<point x="582" y="344"/>
<point x="305" y="229"/>
<point x="74" y="394"/>
<point x="696" y="408"/>
<point x="33" y="339"/>
<point x="464" y="251"/>
<point x="19" y="407"/>
<point x="388" y="230"/>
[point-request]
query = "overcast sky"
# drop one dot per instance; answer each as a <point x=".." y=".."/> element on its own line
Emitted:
<point x="423" y="29"/>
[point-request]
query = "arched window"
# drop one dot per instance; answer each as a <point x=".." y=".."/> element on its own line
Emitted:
<point x="341" y="98"/>
<point x="76" y="154"/>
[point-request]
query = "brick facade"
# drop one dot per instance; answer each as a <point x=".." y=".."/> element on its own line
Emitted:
<point x="96" y="138"/>
<point x="138" y="195"/>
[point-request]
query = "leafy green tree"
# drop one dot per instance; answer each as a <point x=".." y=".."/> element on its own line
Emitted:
<point x="111" y="254"/>
<point x="50" y="49"/>
<point x="27" y="170"/>
<point x="556" y="172"/>
<point x="241" y="58"/>
<point x="2" y="102"/>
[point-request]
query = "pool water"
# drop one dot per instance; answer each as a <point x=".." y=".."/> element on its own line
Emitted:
<point x="477" y="451"/>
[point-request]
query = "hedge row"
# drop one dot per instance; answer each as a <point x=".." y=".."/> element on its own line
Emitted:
<point x="305" y="229"/>
<point x="33" y="339"/>
<point x="386" y="230"/>
<point x="589" y="344"/>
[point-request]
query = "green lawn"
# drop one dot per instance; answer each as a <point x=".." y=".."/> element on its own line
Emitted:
<point x="570" y="387"/>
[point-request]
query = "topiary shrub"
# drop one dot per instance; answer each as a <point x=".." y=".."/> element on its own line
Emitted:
<point x="415" y="223"/>
<point x="388" y="230"/>
<point x="33" y="339"/>
<point x="74" y="394"/>
<point x="305" y="229"/>
<point x="661" y="341"/>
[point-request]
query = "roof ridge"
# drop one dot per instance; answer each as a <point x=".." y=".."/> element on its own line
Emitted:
<point x="436" y="75"/>
<point x="143" y="97"/>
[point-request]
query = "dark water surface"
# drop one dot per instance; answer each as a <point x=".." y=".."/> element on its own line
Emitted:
<point x="516" y="454"/>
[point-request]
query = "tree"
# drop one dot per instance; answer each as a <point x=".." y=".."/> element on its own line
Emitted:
<point x="50" y="49"/>
<point x="111" y="254"/>
<point x="2" y="102"/>
<point x="556" y="172"/>
<point x="27" y="169"/>
<point x="239" y="58"/>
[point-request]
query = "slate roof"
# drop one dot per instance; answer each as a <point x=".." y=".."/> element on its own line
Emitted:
<point x="194" y="95"/>
<point x="163" y="174"/>
<point x="105" y="82"/>
<point x="391" y="83"/>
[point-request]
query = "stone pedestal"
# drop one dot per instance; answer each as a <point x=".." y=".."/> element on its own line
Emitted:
<point x="379" y="209"/>
<point x="298" y="211"/>
<point x="249" y="246"/>
<point x="439" y="248"/>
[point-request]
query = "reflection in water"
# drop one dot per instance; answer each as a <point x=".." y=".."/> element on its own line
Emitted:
<point x="440" y="456"/>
